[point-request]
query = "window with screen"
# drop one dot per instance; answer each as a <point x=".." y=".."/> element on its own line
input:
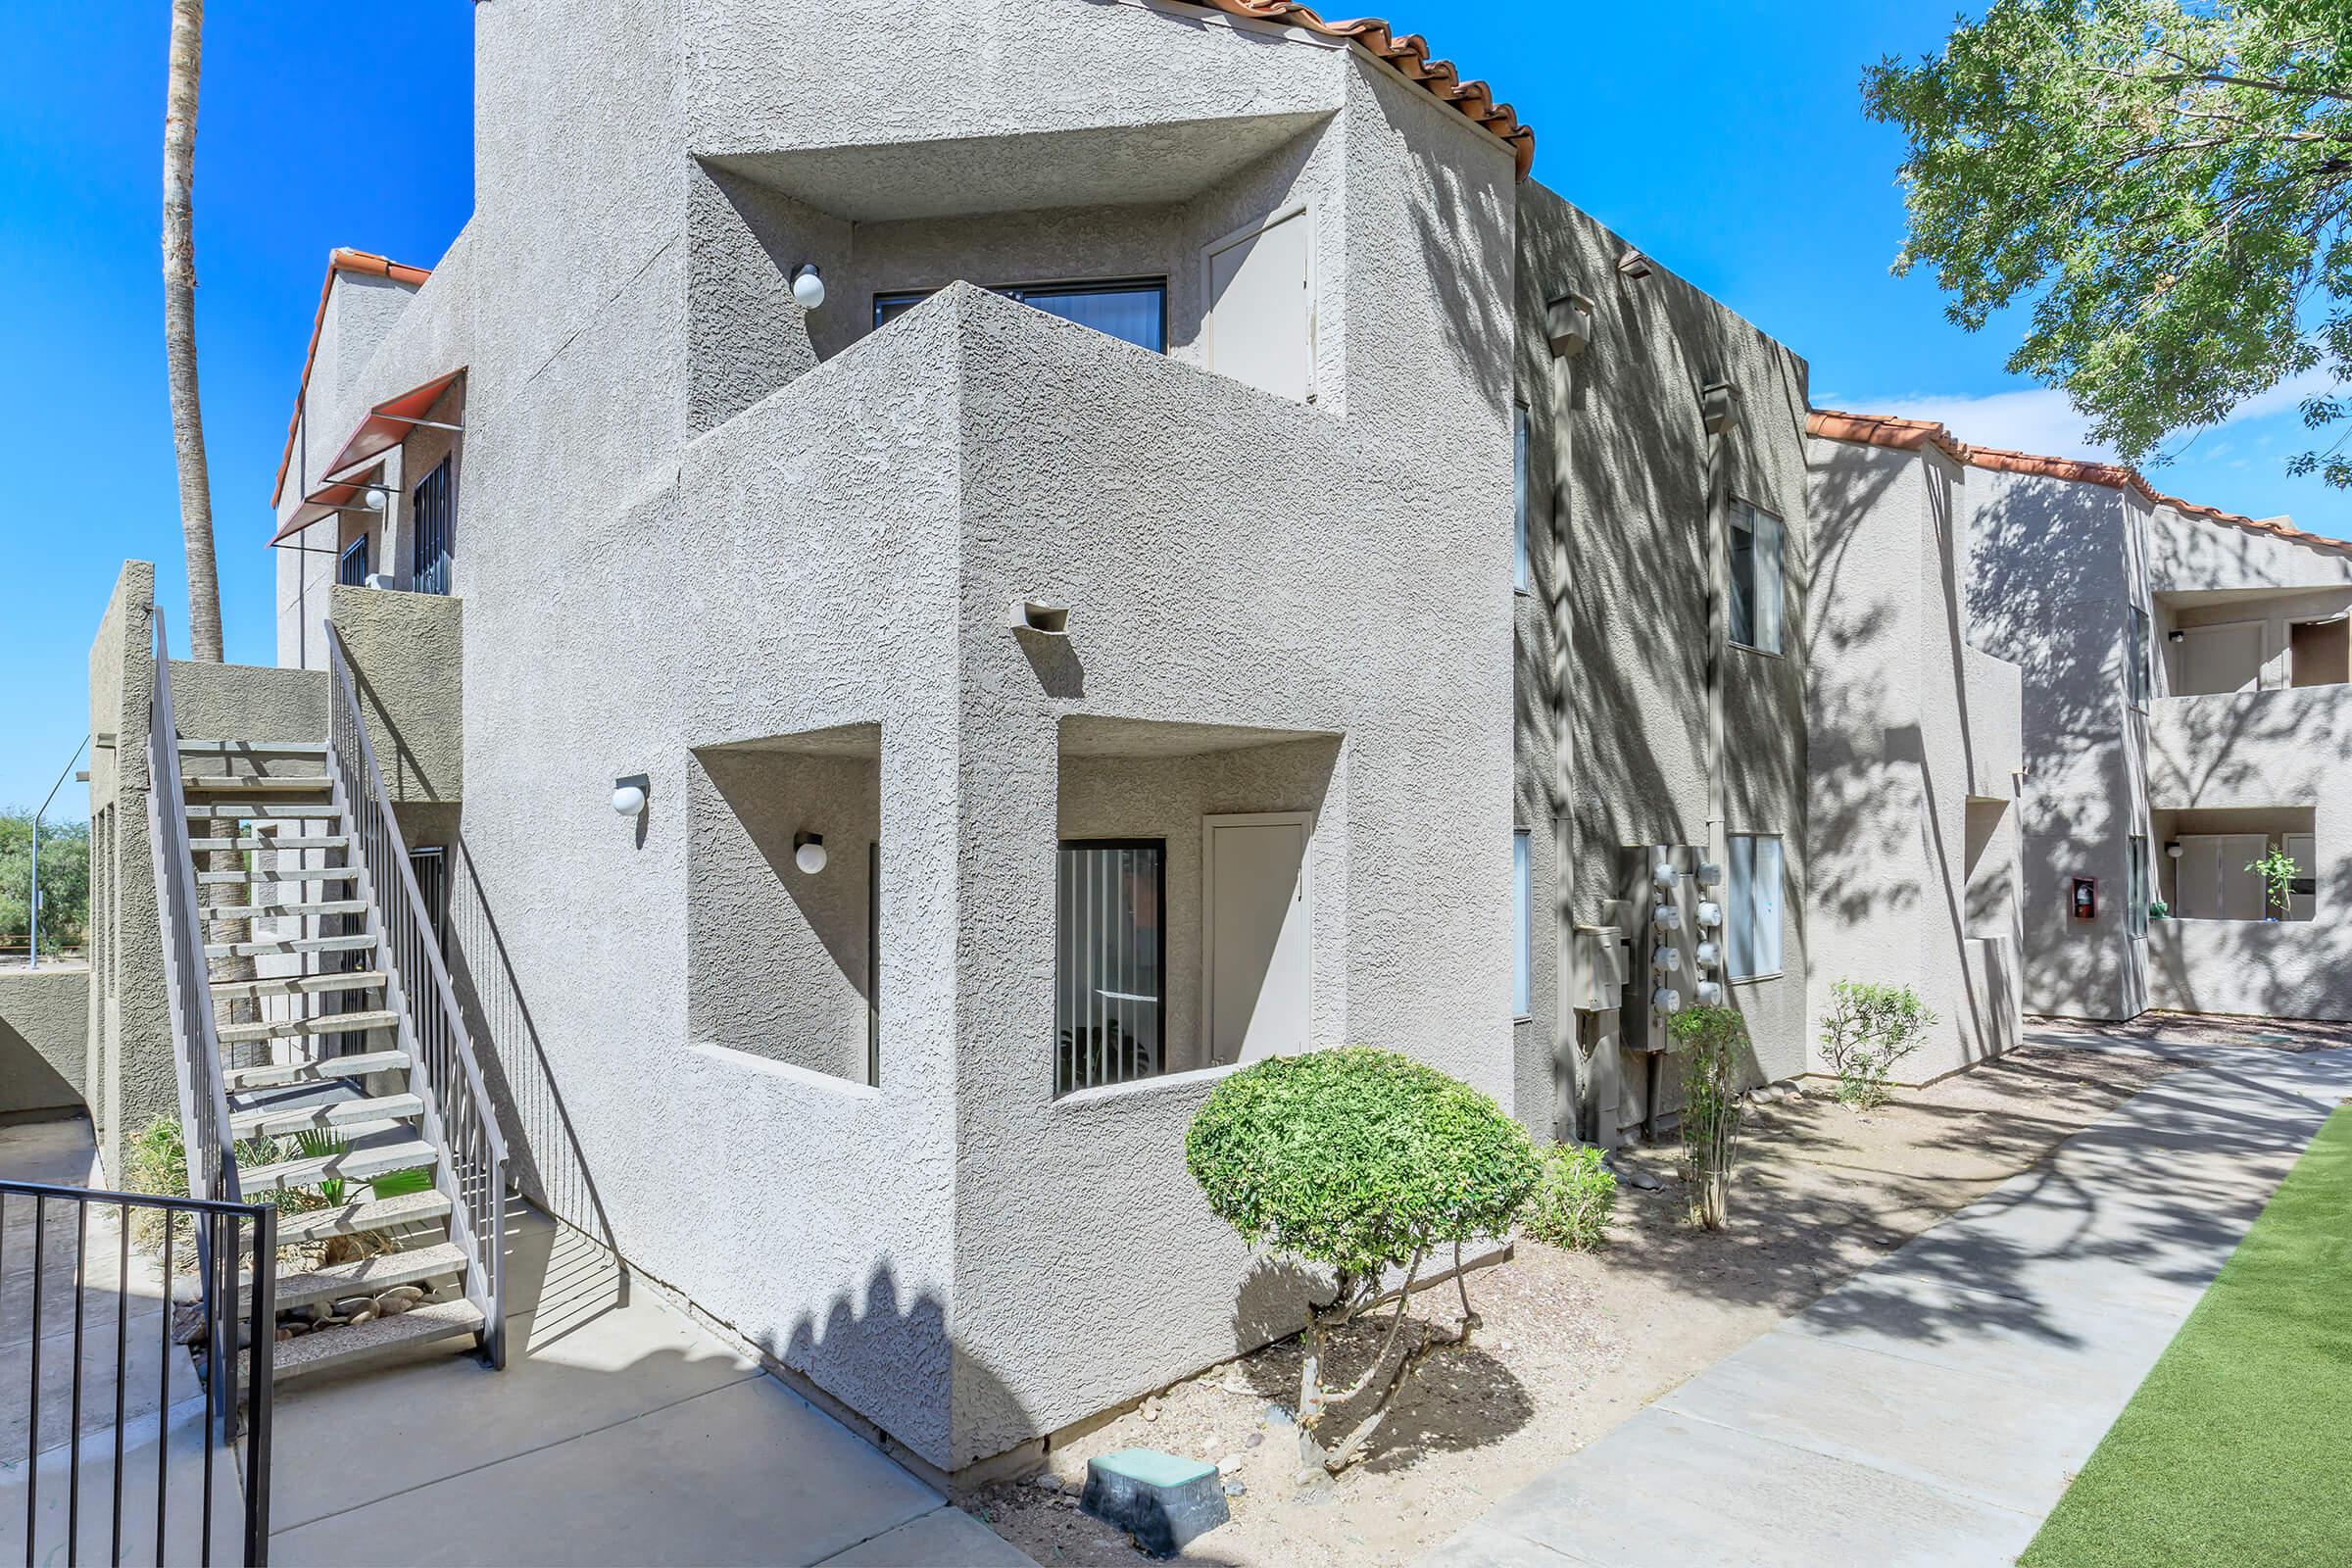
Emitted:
<point x="1135" y="311"/>
<point x="1752" y="907"/>
<point x="1521" y="578"/>
<point x="1757" y="578"/>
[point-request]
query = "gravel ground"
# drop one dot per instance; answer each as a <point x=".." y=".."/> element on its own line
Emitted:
<point x="1575" y="1342"/>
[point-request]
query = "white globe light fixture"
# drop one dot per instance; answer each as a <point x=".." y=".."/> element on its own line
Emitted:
<point x="808" y="852"/>
<point x="807" y="286"/>
<point x="627" y="799"/>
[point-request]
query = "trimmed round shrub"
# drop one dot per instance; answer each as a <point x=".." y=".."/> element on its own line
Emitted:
<point x="1574" y="1200"/>
<point x="1358" y="1158"/>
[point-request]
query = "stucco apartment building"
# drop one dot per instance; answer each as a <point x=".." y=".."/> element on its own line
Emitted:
<point x="922" y="598"/>
<point x="2184" y="713"/>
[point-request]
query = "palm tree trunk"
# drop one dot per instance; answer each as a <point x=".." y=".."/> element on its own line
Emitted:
<point x="179" y="326"/>
<point x="187" y="412"/>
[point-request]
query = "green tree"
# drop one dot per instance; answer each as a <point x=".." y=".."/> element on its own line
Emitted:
<point x="64" y="881"/>
<point x="2166" y="183"/>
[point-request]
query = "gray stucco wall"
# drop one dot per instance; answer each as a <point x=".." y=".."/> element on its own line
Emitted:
<point x="2257" y="752"/>
<point x="407" y="655"/>
<point x="1915" y="741"/>
<point x="1622" y="424"/>
<point x="2056" y="567"/>
<point x="130" y="1073"/>
<point x="44" y="1039"/>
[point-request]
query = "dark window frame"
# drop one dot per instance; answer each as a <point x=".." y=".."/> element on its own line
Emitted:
<point x="433" y="522"/>
<point x="888" y="306"/>
<point x="358" y="550"/>
<point x="1064" y="1075"/>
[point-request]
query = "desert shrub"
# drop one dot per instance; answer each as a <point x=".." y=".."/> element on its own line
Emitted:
<point x="2277" y="870"/>
<point x="1573" y="1200"/>
<point x="1870" y="1028"/>
<point x="1359" y="1162"/>
<point x="1713" y="1045"/>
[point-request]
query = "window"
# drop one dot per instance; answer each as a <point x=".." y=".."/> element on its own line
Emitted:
<point x="1520" y="579"/>
<point x="1523" y="925"/>
<point x="351" y="567"/>
<point x="2136" y="883"/>
<point x="1757" y="578"/>
<point x="1110" y="952"/>
<point x="1134" y="312"/>
<point x="2136" y="677"/>
<point x="429" y="515"/>
<point x="1752" y="915"/>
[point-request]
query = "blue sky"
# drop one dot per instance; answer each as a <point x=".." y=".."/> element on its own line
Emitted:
<point x="1727" y="141"/>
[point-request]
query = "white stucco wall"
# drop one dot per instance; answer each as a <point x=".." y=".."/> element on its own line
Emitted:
<point x="1915" y="747"/>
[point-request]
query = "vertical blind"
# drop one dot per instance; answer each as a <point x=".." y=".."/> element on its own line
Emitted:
<point x="1111" y="952"/>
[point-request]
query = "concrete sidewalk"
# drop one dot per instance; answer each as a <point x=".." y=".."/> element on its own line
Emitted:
<point x="1932" y="1410"/>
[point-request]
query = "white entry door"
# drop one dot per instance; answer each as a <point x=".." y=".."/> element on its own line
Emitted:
<point x="1258" y="943"/>
<point x="2303" y="849"/>
<point x="1261" y="323"/>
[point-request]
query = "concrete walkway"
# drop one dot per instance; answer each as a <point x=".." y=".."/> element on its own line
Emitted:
<point x="620" y="1432"/>
<point x="1932" y="1410"/>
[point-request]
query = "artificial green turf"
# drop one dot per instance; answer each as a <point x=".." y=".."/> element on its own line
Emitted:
<point x="2237" y="1449"/>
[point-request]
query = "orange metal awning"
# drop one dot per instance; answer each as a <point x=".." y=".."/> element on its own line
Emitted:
<point x="389" y="423"/>
<point x="325" y="502"/>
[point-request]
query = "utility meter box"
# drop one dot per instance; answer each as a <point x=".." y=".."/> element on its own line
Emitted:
<point x="1674" y="930"/>
<point x="1597" y="968"/>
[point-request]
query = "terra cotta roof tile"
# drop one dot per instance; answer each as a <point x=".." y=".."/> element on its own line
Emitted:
<point x="362" y="264"/>
<point x="1409" y="54"/>
<point x="1912" y="435"/>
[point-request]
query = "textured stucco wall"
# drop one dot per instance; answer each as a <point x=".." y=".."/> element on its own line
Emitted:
<point x="407" y="659"/>
<point x="777" y="959"/>
<point x="44" y="1039"/>
<point x="129" y="1075"/>
<point x="1915" y="741"/>
<point x="1621" y="426"/>
<point x="2055" y="568"/>
<point x="2261" y="751"/>
<point x="248" y="703"/>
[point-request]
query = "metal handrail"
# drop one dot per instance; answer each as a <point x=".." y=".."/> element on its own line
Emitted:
<point x="446" y="1076"/>
<point x="212" y="1159"/>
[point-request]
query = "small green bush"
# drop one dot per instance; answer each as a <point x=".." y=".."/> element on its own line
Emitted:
<point x="1363" y="1163"/>
<point x="1574" y="1200"/>
<point x="1870" y="1028"/>
<point x="1714" y="1047"/>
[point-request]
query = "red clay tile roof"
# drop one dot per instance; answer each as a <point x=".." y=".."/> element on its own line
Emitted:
<point x="1409" y="54"/>
<point x="363" y="264"/>
<point x="1911" y="435"/>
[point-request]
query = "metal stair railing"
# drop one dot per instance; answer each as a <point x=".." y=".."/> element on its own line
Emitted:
<point x="446" y="1076"/>
<point x="210" y="1152"/>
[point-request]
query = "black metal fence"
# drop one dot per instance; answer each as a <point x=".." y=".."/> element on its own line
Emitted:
<point x="71" y="1303"/>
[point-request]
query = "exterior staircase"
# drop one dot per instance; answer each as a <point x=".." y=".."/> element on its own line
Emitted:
<point x="324" y="1065"/>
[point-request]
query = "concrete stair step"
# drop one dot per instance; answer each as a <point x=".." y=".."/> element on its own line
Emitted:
<point x="285" y="946"/>
<point x="273" y="844"/>
<point x="351" y="1165"/>
<point x="258" y="812"/>
<point x="275" y="1074"/>
<point x="362" y="1214"/>
<point x="284" y="911"/>
<point x="318" y="1024"/>
<point x="368" y="1275"/>
<point x="294" y="873"/>
<point x="252" y="784"/>
<point x="299" y="985"/>
<point x="189" y="748"/>
<point x="279" y="1121"/>
<point x="335" y="1349"/>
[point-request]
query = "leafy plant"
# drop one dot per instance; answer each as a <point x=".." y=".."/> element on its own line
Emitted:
<point x="402" y="1183"/>
<point x="2277" y="870"/>
<point x="1714" y="1048"/>
<point x="1573" y="1200"/>
<point x="2165" y="181"/>
<point x="317" y="1143"/>
<point x="1360" y="1163"/>
<point x="1870" y="1028"/>
<point x="2158" y="909"/>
